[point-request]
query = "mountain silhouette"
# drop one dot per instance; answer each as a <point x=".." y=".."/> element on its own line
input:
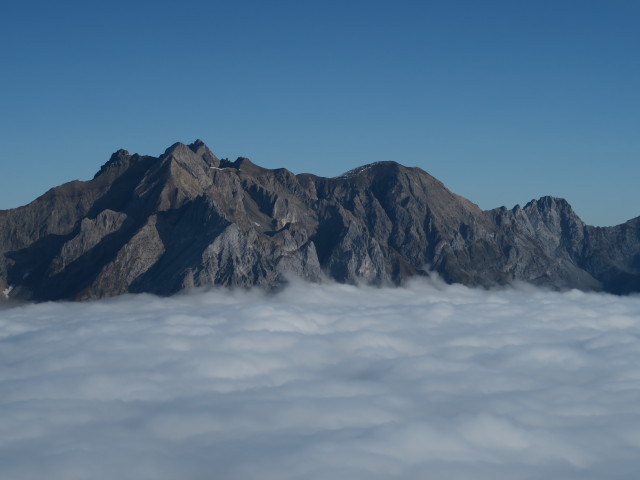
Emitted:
<point x="187" y="219"/>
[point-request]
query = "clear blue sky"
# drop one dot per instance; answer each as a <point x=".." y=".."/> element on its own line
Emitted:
<point x="504" y="101"/>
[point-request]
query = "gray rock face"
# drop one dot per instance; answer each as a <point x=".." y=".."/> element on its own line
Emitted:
<point x="187" y="219"/>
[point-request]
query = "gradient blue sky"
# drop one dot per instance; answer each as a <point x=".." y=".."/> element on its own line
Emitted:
<point x="504" y="101"/>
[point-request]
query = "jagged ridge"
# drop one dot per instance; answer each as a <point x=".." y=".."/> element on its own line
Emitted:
<point x="187" y="218"/>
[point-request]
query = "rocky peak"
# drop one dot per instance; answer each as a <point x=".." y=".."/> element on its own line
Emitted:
<point x="371" y="168"/>
<point x="244" y="165"/>
<point x="120" y="154"/>
<point x="548" y="203"/>
<point x="553" y="210"/>
<point x="120" y="158"/>
<point x="177" y="148"/>
<point x="196" y="151"/>
<point x="197" y="145"/>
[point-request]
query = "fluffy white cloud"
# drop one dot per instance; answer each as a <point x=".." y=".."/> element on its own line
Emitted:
<point x="323" y="382"/>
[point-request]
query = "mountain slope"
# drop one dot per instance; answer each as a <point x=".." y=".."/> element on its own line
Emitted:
<point x="187" y="218"/>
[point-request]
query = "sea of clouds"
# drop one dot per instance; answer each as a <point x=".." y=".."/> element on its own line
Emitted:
<point x="323" y="382"/>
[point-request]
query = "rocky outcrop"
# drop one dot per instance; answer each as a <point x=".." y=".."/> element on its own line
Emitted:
<point x="187" y="219"/>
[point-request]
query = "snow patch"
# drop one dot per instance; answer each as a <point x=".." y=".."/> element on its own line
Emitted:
<point x="7" y="291"/>
<point x="358" y="170"/>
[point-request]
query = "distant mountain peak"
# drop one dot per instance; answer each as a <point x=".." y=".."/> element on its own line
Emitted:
<point x="120" y="153"/>
<point x="117" y="159"/>
<point x="185" y="219"/>
<point x="197" y="145"/>
<point x="176" y="147"/>
<point x="197" y="149"/>
<point x="374" y="165"/>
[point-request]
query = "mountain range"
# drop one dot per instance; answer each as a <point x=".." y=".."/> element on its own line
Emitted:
<point x="187" y="219"/>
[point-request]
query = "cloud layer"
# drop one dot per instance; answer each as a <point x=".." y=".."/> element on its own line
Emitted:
<point x="323" y="382"/>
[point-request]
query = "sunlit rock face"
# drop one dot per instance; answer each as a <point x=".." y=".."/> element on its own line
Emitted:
<point x="188" y="219"/>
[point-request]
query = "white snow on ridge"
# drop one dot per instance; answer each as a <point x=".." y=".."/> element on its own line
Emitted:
<point x="358" y="170"/>
<point x="7" y="291"/>
<point x="363" y="168"/>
